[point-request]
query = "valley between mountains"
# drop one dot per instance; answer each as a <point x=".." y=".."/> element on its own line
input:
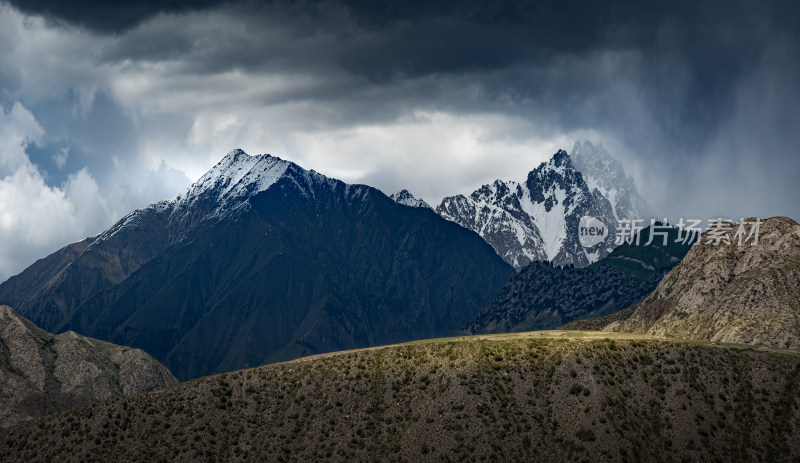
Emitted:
<point x="310" y="319"/>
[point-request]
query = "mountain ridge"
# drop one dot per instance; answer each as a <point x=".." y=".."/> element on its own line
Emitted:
<point x="532" y="221"/>
<point x="536" y="219"/>
<point x="542" y="296"/>
<point x="405" y="197"/>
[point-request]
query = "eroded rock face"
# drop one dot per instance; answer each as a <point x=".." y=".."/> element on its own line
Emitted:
<point x="42" y="373"/>
<point x="747" y="293"/>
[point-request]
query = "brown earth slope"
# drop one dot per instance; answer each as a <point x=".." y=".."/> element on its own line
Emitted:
<point x="730" y="293"/>
<point x="42" y="373"/>
<point x="542" y="396"/>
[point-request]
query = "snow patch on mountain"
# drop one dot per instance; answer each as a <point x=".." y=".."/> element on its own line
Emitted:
<point x="551" y="223"/>
<point x="225" y="188"/>
<point x="494" y="212"/>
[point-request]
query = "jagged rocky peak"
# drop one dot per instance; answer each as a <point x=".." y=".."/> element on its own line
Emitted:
<point x="405" y="197"/>
<point x="494" y="212"/>
<point x="536" y="219"/>
<point x="560" y="162"/>
<point x="554" y="179"/>
<point x="606" y="174"/>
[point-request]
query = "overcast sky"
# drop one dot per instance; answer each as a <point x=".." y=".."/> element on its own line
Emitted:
<point x="107" y="108"/>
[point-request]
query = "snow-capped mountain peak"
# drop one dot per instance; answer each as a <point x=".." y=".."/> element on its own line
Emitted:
<point x="537" y="219"/>
<point x="227" y="187"/>
<point x="237" y="175"/>
<point x="406" y="198"/>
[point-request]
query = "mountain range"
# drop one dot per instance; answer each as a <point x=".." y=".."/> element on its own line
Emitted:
<point x="42" y="373"/>
<point x="262" y="261"/>
<point x="538" y="219"/>
<point x="259" y="261"/>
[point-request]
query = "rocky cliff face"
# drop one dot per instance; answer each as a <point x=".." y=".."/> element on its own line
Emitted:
<point x="42" y="373"/>
<point x="747" y="293"/>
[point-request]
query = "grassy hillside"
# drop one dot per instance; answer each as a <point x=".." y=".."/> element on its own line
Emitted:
<point x="548" y="396"/>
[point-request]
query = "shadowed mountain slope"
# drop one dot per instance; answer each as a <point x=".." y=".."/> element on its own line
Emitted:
<point x="542" y="296"/>
<point x="261" y="261"/>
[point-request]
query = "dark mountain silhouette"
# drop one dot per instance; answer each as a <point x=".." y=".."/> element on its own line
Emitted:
<point x="261" y="261"/>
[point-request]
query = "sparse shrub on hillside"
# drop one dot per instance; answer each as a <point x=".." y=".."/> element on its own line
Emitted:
<point x="627" y="400"/>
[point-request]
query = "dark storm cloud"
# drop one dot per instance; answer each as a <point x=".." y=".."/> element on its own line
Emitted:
<point x="666" y="78"/>
<point x="690" y="57"/>
<point x="106" y="16"/>
<point x="699" y="98"/>
<point x="576" y="64"/>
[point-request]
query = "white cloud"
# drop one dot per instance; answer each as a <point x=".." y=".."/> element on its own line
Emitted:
<point x="18" y="128"/>
<point x="35" y="218"/>
<point x="61" y="156"/>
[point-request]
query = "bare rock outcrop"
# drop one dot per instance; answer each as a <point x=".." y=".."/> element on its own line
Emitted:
<point x="42" y="373"/>
<point x="728" y="291"/>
